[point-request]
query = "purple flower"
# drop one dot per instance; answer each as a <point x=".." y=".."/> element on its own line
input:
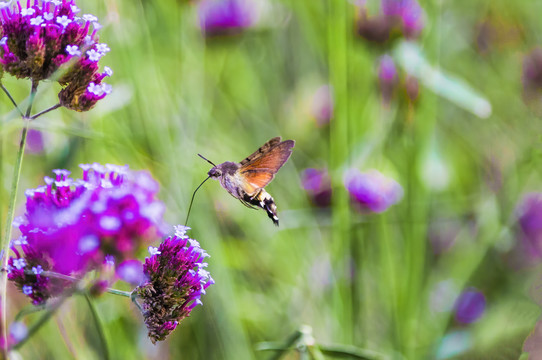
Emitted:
<point x="322" y="105"/>
<point x="529" y="215"/>
<point x="47" y="35"/>
<point x="131" y="271"/>
<point x="532" y="76"/>
<point x="218" y="17"/>
<point x="412" y="88"/>
<point x="73" y="50"/>
<point x="387" y="78"/>
<point x="404" y="15"/>
<point x="74" y="226"/>
<point x="18" y="331"/>
<point x="176" y="280"/>
<point x="408" y="12"/>
<point x="317" y="185"/>
<point x="373" y="191"/>
<point x="34" y="142"/>
<point x="470" y="306"/>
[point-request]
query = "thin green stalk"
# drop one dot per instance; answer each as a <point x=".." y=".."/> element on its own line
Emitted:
<point x="32" y="96"/>
<point x="338" y="65"/>
<point x="74" y="279"/>
<point x="30" y="309"/>
<point x="390" y="274"/>
<point x="7" y="233"/>
<point x="119" y="292"/>
<point x="99" y="328"/>
<point x="11" y="98"/>
<point x="54" y="107"/>
<point x="42" y="321"/>
<point x="11" y="211"/>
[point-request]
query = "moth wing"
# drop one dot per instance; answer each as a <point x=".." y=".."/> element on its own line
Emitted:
<point x="256" y="179"/>
<point x="260" y="171"/>
<point x="262" y="150"/>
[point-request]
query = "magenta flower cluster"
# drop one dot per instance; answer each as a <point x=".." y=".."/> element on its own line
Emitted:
<point x="317" y="184"/>
<point x="372" y="190"/>
<point x="222" y="17"/>
<point x="48" y="37"/>
<point x="529" y="218"/>
<point x="397" y="16"/>
<point x="470" y="306"/>
<point x="74" y="226"/>
<point x="176" y="280"/>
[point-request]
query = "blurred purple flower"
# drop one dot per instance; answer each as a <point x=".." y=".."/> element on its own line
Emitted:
<point x="529" y="214"/>
<point x="387" y="78"/>
<point x="408" y="12"/>
<point x="412" y="88"/>
<point x="176" y="280"/>
<point x="374" y="29"/>
<point x="39" y="39"/>
<point x="470" y="306"/>
<point x="317" y="185"/>
<point x="131" y="271"/>
<point x="221" y="17"/>
<point x="34" y="142"/>
<point x="373" y="191"/>
<point x="404" y="15"/>
<point x="73" y="226"/>
<point x="532" y="75"/>
<point x="18" y="331"/>
<point x="322" y="105"/>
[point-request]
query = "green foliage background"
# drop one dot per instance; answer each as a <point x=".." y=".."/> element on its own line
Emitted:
<point x="355" y="279"/>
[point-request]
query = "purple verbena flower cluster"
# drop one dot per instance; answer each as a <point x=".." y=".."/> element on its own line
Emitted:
<point x="176" y="280"/>
<point x="221" y="17"/>
<point x="387" y="78"/>
<point x="470" y="306"/>
<point x="529" y="217"/>
<point x="531" y="77"/>
<point x="317" y="184"/>
<point x="372" y="190"/>
<point x="48" y="35"/>
<point x="403" y="16"/>
<point x="74" y="226"/>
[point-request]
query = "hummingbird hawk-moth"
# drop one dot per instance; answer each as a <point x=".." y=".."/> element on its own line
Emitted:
<point x="246" y="180"/>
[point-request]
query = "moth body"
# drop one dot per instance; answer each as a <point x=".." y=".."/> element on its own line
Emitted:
<point x="246" y="180"/>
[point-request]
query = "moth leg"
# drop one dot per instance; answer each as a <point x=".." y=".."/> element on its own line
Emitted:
<point x="245" y="199"/>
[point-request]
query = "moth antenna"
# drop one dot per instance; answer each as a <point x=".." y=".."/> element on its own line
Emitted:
<point x="193" y="195"/>
<point x="209" y="161"/>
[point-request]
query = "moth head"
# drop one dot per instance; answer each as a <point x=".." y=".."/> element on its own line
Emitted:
<point x="215" y="172"/>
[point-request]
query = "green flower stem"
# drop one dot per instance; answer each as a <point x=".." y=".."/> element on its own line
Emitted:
<point x="348" y="351"/>
<point x="54" y="107"/>
<point x="11" y="98"/>
<point x="11" y="208"/>
<point x="27" y="310"/>
<point x="56" y="275"/>
<point x="74" y="279"/>
<point x="42" y="321"/>
<point x="337" y="32"/>
<point x="127" y="294"/>
<point x="7" y="235"/>
<point x="33" y="92"/>
<point x="99" y="328"/>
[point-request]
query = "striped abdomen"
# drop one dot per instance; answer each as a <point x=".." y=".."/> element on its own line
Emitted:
<point x="265" y="201"/>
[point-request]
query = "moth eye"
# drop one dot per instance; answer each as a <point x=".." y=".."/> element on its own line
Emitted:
<point x="215" y="173"/>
